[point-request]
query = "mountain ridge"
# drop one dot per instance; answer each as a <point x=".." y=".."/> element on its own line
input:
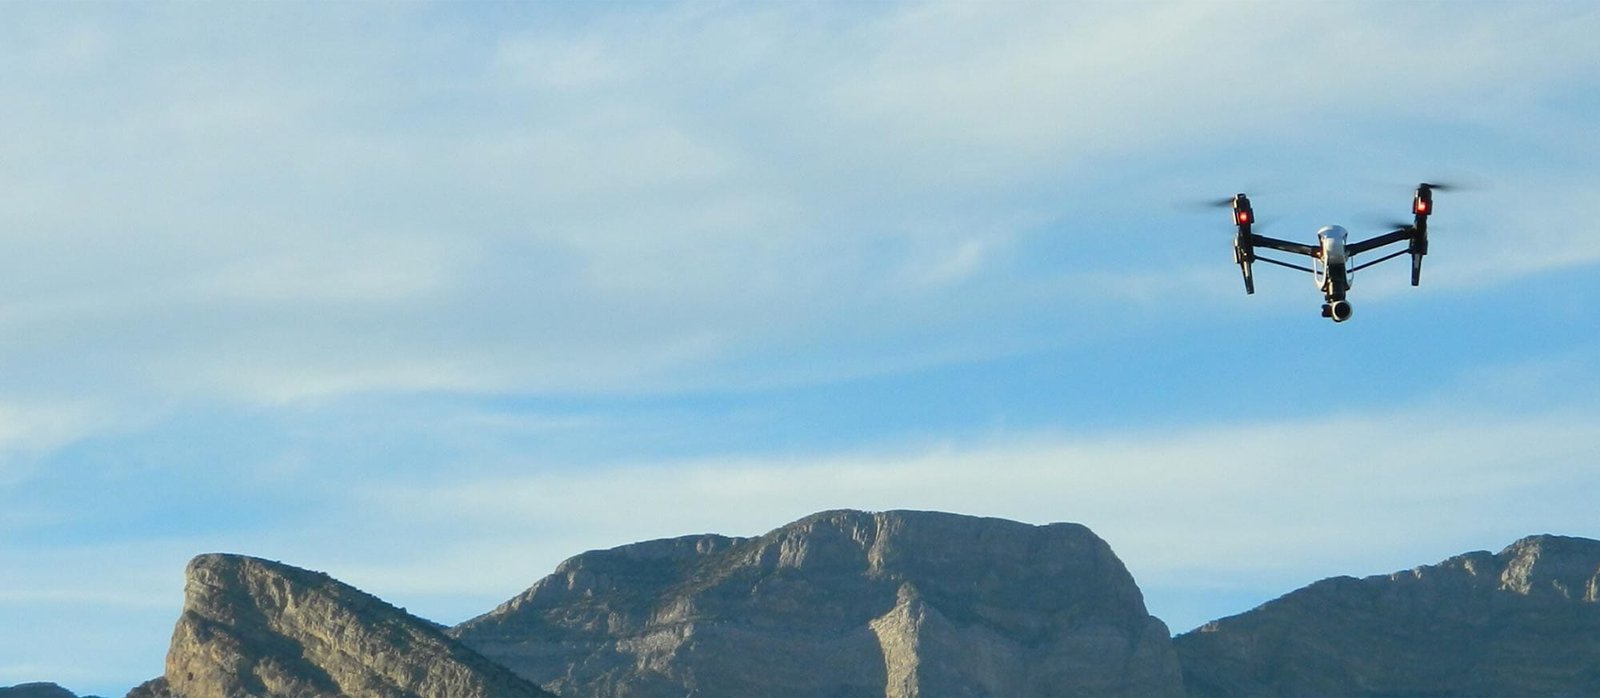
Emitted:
<point x="1517" y="622"/>
<point x="897" y="603"/>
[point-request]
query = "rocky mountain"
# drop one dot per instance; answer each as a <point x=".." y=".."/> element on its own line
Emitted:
<point x="1523" y="622"/>
<point x="259" y="628"/>
<point x="840" y="603"/>
<point x="898" y="604"/>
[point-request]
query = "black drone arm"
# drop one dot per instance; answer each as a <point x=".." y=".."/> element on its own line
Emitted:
<point x="1286" y="265"/>
<point x="1402" y="235"/>
<point x="1283" y="245"/>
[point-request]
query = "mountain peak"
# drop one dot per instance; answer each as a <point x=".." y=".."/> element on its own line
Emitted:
<point x="840" y="602"/>
<point x="1561" y="566"/>
<point x="251" y="626"/>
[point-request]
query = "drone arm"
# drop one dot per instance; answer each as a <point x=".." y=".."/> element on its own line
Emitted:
<point x="1400" y="235"/>
<point x="1283" y="245"/>
<point x="1384" y="258"/>
<point x="1270" y="260"/>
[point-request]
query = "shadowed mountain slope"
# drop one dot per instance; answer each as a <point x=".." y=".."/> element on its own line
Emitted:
<point x="1524" y="622"/>
<point x="38" y="689"/>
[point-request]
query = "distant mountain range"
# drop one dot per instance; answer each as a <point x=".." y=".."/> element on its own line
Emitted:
<point x="898" y="603"/>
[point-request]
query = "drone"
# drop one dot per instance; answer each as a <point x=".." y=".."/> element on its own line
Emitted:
<point x="1332" y="258"/>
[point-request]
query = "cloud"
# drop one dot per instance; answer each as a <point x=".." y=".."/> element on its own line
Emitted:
<point x="642" y="201"/>
<point x="1531" y="224"/>
<point x="30" y="430"/>
<point x="1067" y="81"/>
<point x="1264" y="505"/>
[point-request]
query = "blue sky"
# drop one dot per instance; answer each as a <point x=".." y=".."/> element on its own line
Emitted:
<point x="432" y="296"/>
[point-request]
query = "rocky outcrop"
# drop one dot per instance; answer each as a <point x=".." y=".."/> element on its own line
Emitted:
<point x="259" y="628"/>
<point x="154" y="688"/>
<point x="840" y="603"/>
<point x="1522" y="622"/>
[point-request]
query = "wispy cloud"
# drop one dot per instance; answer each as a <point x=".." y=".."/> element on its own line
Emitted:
<point x="1208" y="505"/>
<point x="572" y="198"/>
<point x="32" y="429"/>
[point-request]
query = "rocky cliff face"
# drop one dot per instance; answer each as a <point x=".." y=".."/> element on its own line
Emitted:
<point x="840" y="603"/>
<point x="1523" y="622"/>
<point x="259" y="628"/>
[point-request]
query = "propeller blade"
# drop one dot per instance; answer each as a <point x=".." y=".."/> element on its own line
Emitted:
<point x="1459" y="183"/>
<point x="1387" y="224"/>
<point x="1205" y="204"/>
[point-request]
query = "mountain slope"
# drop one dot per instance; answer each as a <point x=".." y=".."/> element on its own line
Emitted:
<point x="840" y="603"/>
<point x="1525" y="621"/>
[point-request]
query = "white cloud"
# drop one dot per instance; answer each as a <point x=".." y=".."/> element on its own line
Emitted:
<point x="1275" y="504"/>
<point x="1532" y="224"/>
<point x="637" y="200"/>
<point x="29" y="429"/>
<point x="1052" y="80"/>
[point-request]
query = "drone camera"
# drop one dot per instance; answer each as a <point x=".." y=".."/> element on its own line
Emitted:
<point x="1338" y="311"/>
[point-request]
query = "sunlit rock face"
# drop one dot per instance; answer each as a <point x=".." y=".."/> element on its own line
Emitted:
<point x="841" y="603"/>
<point x="251" y="627"/>
<point x="1523" y="622"/>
